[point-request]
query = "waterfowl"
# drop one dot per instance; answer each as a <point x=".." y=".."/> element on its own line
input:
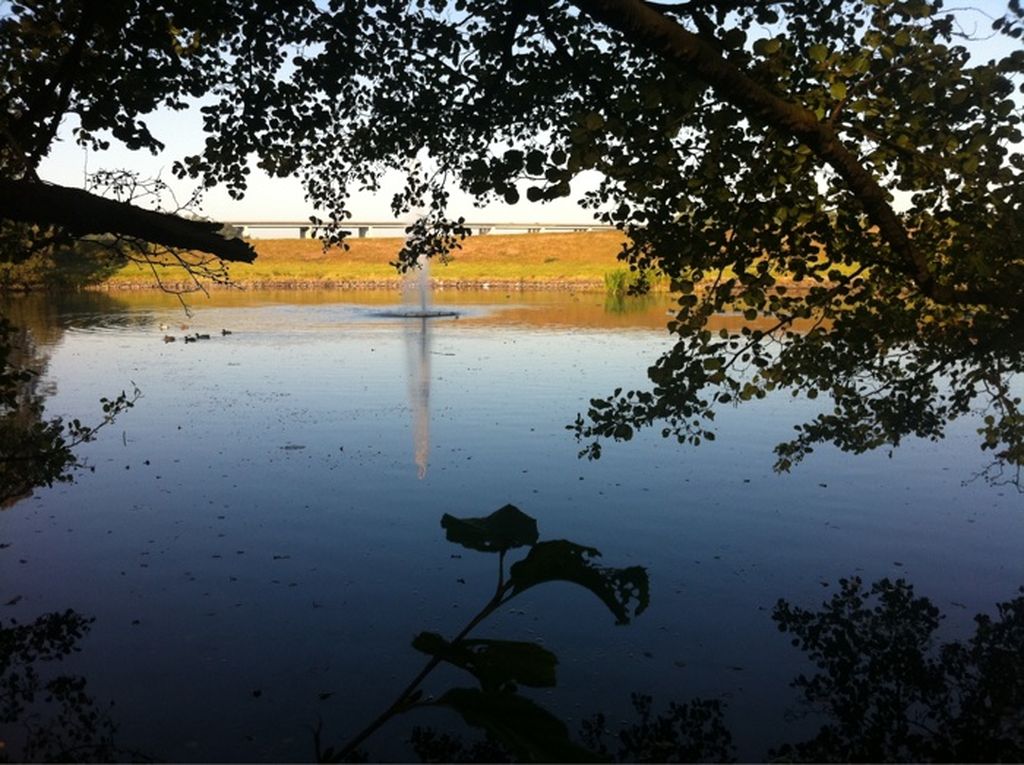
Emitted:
<point x="225" y="331"/>
<point x="168" y="338"/>
<point x="189" y="339"/>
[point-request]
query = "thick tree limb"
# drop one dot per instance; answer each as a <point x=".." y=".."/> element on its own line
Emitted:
<point x="80" y="213"/>
<point x="643" y="25"/>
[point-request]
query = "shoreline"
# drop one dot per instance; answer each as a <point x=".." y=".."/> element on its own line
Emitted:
<point x="542" y="261"/>
<point x="383" y="285"/>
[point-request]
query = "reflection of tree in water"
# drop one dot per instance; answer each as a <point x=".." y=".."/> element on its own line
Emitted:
<point x="627" y="304"/>
<point x="691" y="732"/>
<point x="47" y="316"/>
<point x="35" y="451"/>
<point x="890" y="691"/>
<point x="885" y="690"/>
<point x="47" y="715"/>
<point x="31" y="451"/>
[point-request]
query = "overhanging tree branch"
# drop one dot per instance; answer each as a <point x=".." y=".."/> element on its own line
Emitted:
<point x="645" y="26"/>
<point x="81" y="213"/>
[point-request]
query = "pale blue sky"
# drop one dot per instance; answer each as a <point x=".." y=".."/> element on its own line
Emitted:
<point x="268" y="198"/>
<point x="282" y="199"/>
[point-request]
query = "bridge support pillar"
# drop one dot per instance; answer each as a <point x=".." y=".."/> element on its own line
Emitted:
<point x="363" y="231"/>
<point x="303" y="230"/>
<point x="483" y="230"/>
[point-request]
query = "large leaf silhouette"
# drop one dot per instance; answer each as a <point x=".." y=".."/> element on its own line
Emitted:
<point x="561" y="560"/>
<point x="502" y="530"/>
<point x="497" y="664"/>
<point x="529" y="732"/>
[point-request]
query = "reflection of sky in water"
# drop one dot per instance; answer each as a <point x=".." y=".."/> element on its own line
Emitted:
<point x="281" y="539"/>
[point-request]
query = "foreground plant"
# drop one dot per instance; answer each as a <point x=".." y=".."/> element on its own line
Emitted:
<point x="519" y="725"/>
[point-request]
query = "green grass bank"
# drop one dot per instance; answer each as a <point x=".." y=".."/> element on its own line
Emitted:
<point x="577" y="261"/>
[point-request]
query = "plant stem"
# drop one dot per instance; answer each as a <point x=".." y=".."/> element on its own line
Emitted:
<point x="401" y="703"/>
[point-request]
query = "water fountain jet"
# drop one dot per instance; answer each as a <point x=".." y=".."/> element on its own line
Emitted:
<point x="416" y="298"/>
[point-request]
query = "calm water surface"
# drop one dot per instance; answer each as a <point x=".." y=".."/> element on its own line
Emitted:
<point x="260" y="539"/>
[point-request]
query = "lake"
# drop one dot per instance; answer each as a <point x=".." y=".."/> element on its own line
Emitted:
<point x="260" y="538"/>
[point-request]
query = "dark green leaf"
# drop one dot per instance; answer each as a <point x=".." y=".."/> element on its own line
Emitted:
<point x="503" y="529"/>
<point x="497" y="664"/>
<point x="529" y="732"/>
<point x="560" y="560"/>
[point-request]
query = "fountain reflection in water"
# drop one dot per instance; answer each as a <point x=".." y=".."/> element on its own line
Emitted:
<point x="418" y="311"/>
<point x="417" y="343"/>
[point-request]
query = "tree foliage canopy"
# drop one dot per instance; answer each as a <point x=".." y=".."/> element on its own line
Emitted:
<point x="111" y="64"/>
<point x="840" y="172"/>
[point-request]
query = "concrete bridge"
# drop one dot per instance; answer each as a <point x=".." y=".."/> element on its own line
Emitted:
<point x="362" y="228"/>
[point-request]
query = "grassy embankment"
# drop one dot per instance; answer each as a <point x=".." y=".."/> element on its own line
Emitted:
<point x="584" y="261"/>
<point x="532" y="261"/>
